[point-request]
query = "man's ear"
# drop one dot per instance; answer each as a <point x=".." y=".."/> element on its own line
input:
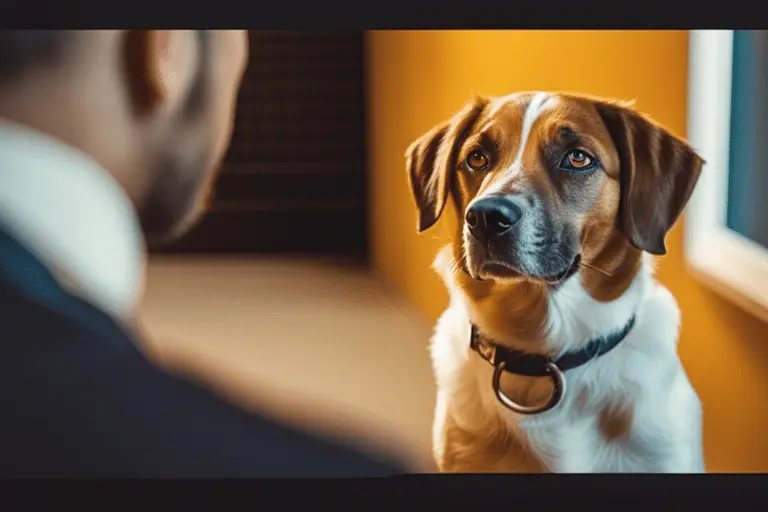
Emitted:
<point x="658" y="174"/>
<point x="161" y="66"/>
<point x="431" y="161"/>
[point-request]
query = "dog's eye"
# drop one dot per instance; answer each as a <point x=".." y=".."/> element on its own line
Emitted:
<point x="578" y="160"/>
<point x="477" y="160"/>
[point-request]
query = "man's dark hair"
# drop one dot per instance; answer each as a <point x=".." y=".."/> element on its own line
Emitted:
<point x="22" y="51"/>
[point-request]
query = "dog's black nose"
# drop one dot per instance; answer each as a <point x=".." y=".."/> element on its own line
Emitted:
<point x="492" y="216"/>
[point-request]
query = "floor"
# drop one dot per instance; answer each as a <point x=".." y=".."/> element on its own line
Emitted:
<point x="322" y="345"/>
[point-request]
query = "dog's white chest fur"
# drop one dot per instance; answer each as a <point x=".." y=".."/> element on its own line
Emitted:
<point x="640" y="386"/>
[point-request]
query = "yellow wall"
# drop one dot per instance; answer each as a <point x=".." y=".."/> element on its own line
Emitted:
<point x="418" y="78"/>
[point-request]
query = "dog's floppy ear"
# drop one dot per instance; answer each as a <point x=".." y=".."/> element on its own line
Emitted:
<point x="431" y="160"/>
<point x="658" y="174"/>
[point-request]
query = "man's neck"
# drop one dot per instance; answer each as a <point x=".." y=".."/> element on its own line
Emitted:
<point x="73" y="216"/>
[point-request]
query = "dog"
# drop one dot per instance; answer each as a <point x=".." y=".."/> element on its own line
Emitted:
<point x="557" y="352"/>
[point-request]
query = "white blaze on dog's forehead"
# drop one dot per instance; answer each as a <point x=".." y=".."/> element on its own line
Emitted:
<point x="538" y="104"/>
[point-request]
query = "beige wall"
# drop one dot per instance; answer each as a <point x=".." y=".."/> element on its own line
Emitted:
<point x="417" y="79"/>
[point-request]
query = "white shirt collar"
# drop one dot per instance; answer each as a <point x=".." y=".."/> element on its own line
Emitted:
<point x="73" y="216"/>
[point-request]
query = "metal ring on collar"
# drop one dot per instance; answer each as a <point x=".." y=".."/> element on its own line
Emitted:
<point x="558" y="380"/>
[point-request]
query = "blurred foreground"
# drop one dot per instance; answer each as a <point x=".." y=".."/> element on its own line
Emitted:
<point x="321" y="345"/>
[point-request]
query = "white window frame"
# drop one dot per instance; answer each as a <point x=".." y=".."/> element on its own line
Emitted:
<point x="723" y="259"/>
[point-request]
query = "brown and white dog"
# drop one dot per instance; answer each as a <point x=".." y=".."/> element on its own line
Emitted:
<point x="558" y="350"/>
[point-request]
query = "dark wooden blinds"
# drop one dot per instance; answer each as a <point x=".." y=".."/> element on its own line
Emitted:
<point x="294" y="177"/>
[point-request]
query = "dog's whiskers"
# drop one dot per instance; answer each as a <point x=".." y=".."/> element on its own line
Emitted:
<point x="455" y="267"/>
<point x="587" y="265"/>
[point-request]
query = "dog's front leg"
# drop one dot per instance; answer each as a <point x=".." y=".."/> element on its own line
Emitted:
<point x="492" y="449"/>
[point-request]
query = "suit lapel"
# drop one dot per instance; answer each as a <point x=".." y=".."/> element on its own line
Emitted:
<point x="23" y="273"/>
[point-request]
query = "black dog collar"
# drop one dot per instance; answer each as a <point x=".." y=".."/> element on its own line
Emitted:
<point x="536" y="365"/>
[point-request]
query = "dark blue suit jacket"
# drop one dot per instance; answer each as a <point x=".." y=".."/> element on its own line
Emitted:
<point x="77" y="399"/>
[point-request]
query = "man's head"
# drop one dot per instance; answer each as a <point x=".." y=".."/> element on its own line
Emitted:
<point x="154" y="108"/>
<point x="544" y="180"/>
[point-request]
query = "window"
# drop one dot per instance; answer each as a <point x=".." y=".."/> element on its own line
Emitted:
<point x="727" y="219"/>
<point x="748" y="155"/>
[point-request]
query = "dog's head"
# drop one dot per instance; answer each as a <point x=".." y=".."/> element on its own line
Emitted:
<point x="544" y="180"/>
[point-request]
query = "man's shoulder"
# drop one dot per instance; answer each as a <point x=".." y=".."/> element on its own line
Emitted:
<point x="86" y="402"/>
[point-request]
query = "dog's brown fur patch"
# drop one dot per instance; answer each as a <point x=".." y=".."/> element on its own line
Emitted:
<point x="615" y="422"/>
<point x="491" y="450"/>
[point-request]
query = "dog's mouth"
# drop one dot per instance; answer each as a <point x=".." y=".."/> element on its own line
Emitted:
<point x="498" y="269"/>
<point x="565" y="274"/>
<point x="503" y="270"/>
